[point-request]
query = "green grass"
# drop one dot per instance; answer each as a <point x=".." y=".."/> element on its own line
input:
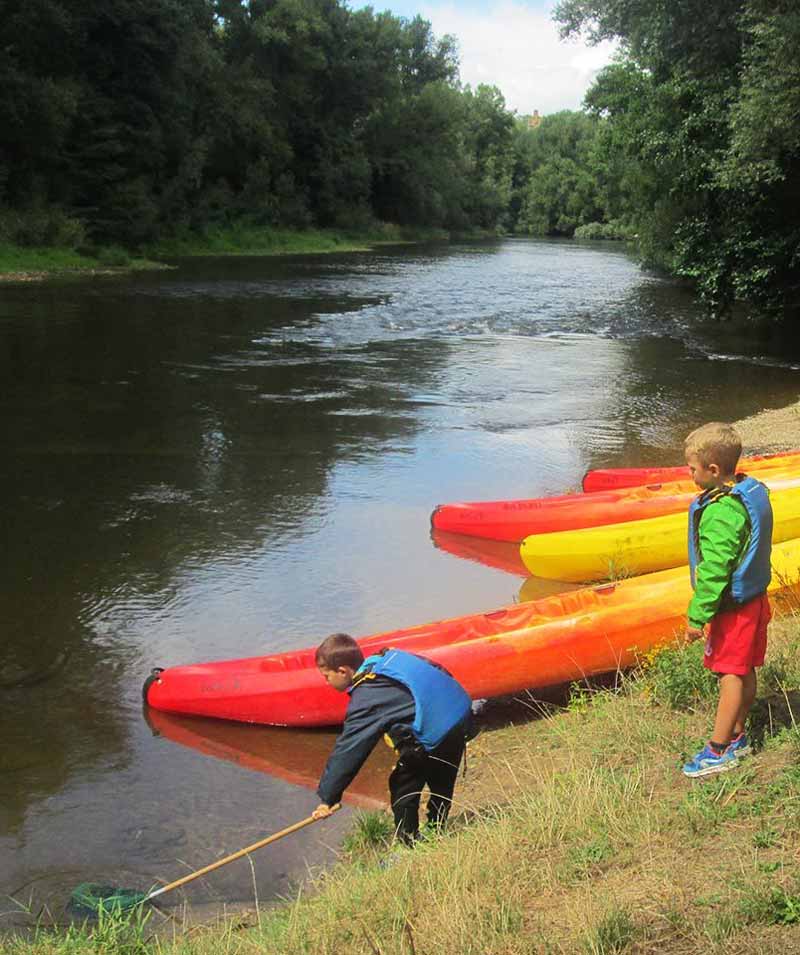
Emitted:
<point x="675" y="676"/>
<point x="241" y="239"/>
<point x="576" y="833"/>
<point x="371" y="832"/>
<point x="22" y="261"/>
<point x="613" y="933"/>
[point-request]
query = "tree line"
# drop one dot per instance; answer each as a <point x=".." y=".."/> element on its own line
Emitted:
<point x="129" y="120"/>
<point x="136" y="117"/>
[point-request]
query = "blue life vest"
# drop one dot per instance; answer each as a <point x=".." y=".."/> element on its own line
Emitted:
<point x="440" y="702"/>
<point x="753" y="572"/>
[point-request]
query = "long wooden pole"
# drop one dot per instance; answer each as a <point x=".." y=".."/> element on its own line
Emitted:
<point x="235" y="855"/>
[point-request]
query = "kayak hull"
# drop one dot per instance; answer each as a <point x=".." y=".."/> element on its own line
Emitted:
<point x="564" y="637"/>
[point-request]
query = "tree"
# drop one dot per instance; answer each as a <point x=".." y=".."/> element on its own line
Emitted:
<point x="556" y="187"/>
<point x="703" y="104"/>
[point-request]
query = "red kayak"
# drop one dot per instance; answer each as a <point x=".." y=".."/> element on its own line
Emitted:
<point x="609" y="479"/>
<point x="513" y="521"/>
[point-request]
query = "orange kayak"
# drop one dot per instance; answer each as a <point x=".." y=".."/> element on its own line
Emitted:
<point x="564" y="637"/>
<point x="606" y="479"/>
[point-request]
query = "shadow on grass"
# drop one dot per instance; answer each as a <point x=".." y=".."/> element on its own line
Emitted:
<point x="772" y="714"/>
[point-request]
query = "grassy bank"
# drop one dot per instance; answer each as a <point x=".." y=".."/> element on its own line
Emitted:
<point x="28" y="263"/>
<point x="21" y="263"/>
<point x="242" y="239"/>
<point x="573" y="833"/>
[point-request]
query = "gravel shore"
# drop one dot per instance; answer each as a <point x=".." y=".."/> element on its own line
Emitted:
<point x="776" y="430"/>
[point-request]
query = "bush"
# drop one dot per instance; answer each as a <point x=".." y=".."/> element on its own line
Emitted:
<point x="113" y="256"/>
<point x="371" y="831"/>
<point x="675" y="676"/>
<point x="615" y="229"/>
<point x="614" y="933"/>
<point x="41" y="226"/>
<point x="775" y="906"/>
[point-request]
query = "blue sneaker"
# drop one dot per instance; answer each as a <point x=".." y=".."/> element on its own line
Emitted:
<point x="740" y="746"/>
<point x="707" y="762"/>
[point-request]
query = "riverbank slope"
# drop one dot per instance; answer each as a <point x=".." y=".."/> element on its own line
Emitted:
<point x="574" y="832"/>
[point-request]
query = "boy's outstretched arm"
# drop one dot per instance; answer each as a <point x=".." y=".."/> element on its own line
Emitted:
<point x="362" y="729"/>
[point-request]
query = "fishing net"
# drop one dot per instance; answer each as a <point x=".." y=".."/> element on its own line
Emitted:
<point x="95" y="897"/>
<point x="98" y="898"/>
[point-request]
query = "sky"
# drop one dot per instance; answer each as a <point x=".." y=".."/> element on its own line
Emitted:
<point x="514" y="45"/>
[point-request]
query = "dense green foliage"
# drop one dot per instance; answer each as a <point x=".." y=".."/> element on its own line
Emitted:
<point x="557" y="184"/>
<point x="701" y="138"/>
<point x="127" y="121"/>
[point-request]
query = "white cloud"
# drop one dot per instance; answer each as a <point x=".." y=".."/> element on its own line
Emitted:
<point x="517" y="49"/>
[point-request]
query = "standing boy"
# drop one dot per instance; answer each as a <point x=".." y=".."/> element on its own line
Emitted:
<point x="422" y="710"/>
<point x="730" y="541"/>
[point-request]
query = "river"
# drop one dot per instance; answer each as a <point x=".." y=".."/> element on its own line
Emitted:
<point x="239" y="456"/>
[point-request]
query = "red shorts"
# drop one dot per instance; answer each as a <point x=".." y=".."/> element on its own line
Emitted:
<point x="736" y="640"/>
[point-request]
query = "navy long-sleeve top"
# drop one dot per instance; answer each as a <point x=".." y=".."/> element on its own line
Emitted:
<point x="375" y="706"/>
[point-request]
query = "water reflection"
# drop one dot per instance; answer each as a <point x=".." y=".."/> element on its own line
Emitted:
<point x="296" y="756"/>
<point x="502" y="555"/>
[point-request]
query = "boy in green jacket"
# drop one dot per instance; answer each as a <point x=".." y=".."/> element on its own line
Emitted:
<point x="730" y="542"/>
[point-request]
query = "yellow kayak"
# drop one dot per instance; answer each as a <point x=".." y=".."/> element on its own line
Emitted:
<point x="628" y="549"/>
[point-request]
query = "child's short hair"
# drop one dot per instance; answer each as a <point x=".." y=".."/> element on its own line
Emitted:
<point x="715" y="443"/>
<point x="339" y="650"/>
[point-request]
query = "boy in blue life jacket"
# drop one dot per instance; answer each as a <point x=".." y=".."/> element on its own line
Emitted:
<point x="418" y="706"/>
<point x="730" y="544"/>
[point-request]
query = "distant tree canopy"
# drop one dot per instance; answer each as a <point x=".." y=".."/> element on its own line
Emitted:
<point x="138" y="117"/>
<point x="125" y="121"/>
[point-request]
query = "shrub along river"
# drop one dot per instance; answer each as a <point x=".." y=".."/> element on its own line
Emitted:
<point x="240" y="456"/>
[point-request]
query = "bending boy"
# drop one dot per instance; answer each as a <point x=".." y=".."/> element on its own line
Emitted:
<point x="423" y="711"/>
<point x="730" y="543"/>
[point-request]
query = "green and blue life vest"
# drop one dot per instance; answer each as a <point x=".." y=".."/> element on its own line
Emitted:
<point x="440" y="702"/>
<point x="753" y="573"/>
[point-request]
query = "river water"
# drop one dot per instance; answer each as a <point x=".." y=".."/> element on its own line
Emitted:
<point x="239" y="456"/>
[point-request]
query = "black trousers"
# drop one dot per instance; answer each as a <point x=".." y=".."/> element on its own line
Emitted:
<point x="438" y="770"/>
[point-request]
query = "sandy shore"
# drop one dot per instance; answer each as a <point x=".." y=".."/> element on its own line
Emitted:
<point x="776" y="430"/>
